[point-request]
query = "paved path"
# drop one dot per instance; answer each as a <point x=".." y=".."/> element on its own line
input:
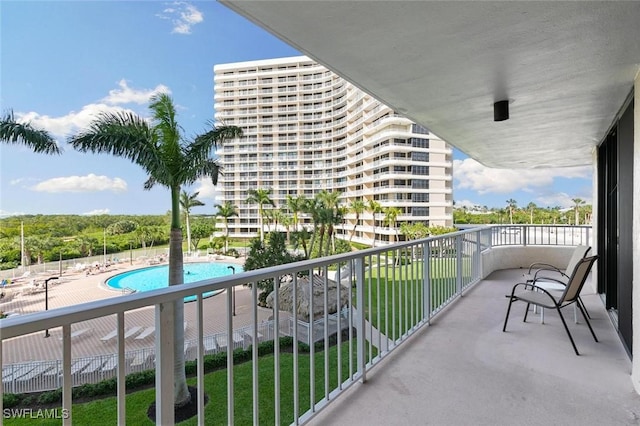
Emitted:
<point x="76" y="288"/>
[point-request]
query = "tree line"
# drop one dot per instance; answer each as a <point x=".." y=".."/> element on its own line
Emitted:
<point x="579" y="214"/>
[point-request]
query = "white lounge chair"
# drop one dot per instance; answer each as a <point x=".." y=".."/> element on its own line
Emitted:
<point x="109" y="336"/>
<point x="77" y="333"/>
<point x="132" y="331"/>
<point x="113" y="334"/>
<point x="146" y="333"/>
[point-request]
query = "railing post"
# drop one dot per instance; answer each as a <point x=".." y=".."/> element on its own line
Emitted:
<point x="478" y="271"/>
<point x="525" y="231"/>
<point x="66" y="374"/>
<point x="426" y="280"/>
<point x="360" y="324"/>
<point x="164" y="318"/>
<point x="459" y="264"/>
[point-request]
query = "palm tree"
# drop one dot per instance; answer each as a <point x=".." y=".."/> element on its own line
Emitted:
<point x="391" y="218"/>
<point x="187" y="201"/>
<point x="296" y="206"/>
<point x="374" y="208"/>
<point x="260" y="197"/>
<point x="39" y="140"/>
<point x="531" y="206"/>
<point x="170" y="160"/>
<point x="357" y="207"/>
<point x="511" y="205"/>
<point x="577" y="203"/>
<point x="226" y="211"/>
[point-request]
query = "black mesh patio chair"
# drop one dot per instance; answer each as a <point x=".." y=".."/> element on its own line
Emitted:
<point x="538" y="296"/>
<point x="555" y="278"/>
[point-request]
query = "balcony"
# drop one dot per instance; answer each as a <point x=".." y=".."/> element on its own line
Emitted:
<point x="422" y="329"/>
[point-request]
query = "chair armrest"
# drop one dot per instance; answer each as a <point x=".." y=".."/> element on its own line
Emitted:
<point x="546" y="266"/>
<point x="533" y="283"/>
<point x="535" y="275"/>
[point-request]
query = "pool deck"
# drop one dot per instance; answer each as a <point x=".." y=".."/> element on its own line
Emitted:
<point x="76" y="287"/>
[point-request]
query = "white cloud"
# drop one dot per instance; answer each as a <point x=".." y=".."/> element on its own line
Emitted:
<point x="4" y="213"/>
<point x="60" y="127"/>
<point x="66" y="124"/>
<point x="469" y="174"/>
<point x="561" y="199"/>
<point x="126" y="95"/>
<point x="89" y="183"/>
<point x="96" y="212"/>
<point x="183" y="16"/>
<point x="207" y="190"/>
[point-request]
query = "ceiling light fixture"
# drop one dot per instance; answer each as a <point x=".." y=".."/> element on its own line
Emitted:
<point x="501" y="110"/>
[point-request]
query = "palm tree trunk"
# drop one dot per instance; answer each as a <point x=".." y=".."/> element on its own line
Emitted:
<point x="176" y="277"/>
<point x="226" y="233"/>
<point x="354" y="230"/>
<point x="188" y="232"/>
<point x="260" y="217"/>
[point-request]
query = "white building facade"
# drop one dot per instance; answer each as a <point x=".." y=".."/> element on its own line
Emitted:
<point x="306" y="129"/>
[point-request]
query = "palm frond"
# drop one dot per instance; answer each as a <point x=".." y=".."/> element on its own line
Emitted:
<point x="164" y="114"/>
<point x="37" y="139"/>
<point x="149" y="183"/>
<point x="209" y="168"/>
<point x="203" y="144"/>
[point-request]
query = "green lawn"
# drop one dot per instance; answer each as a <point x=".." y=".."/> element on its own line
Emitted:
<point x="400" y="290"/>
<point x="216" y="388"/>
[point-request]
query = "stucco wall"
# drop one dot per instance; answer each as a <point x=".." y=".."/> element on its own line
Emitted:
<point x="510" y="257"/>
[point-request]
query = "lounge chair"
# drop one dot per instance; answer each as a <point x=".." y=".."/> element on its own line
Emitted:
<point x="78" y="333"/>
<point x="531" y="294"/>
<point x="114" y="333"/>
<point x="146" y="333"/>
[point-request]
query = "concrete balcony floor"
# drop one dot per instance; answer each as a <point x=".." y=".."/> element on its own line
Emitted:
<point x="463" y="370"/>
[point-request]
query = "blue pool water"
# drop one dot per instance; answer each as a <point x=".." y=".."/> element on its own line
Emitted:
<point x="158" y="277"/>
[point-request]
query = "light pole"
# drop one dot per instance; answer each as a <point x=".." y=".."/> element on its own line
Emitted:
<point x="46" y="299"/>
<point x="130" y="253"/>
<point x="233" y="291"/>
<point x="104" y="243"/>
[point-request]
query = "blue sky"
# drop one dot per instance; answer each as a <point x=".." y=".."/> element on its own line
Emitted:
<point x="96" y="56"/>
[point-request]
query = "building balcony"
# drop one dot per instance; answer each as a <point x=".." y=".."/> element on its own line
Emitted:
<point x="422" y="338"/>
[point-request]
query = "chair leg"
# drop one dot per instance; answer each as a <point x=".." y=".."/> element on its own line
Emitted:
<point x="567" y="330"/>
<point x="584" y="307"/>
<point x="587" y="321"/>
<point x="506" y="318"/>
<point x="526" y="312"/>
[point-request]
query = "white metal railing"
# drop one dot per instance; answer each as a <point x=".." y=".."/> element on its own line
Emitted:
<point x="383" y="296"/>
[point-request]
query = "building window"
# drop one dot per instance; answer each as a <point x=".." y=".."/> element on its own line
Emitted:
<point x="419" y="143"/>
<point x="416" y="128"/>
<point x="420" y="170"/>
<point x="420" y="156"/>
<point x="420" y="183"/>
<point x="420" y="211"/>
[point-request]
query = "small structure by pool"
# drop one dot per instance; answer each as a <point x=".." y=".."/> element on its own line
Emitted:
<point x="156" y="277"/>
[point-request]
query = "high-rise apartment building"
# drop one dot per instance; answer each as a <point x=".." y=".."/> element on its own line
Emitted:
<point x="307" y="129"/>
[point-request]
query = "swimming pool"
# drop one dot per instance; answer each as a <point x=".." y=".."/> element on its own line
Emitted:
<point x="158" y="277"/>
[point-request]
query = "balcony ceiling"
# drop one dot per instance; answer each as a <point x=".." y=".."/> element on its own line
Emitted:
<point x="566" y="67"/>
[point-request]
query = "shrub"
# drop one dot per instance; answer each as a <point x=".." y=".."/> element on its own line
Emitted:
<point x="11" y="400"/>
<point x="50" y="397"/>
